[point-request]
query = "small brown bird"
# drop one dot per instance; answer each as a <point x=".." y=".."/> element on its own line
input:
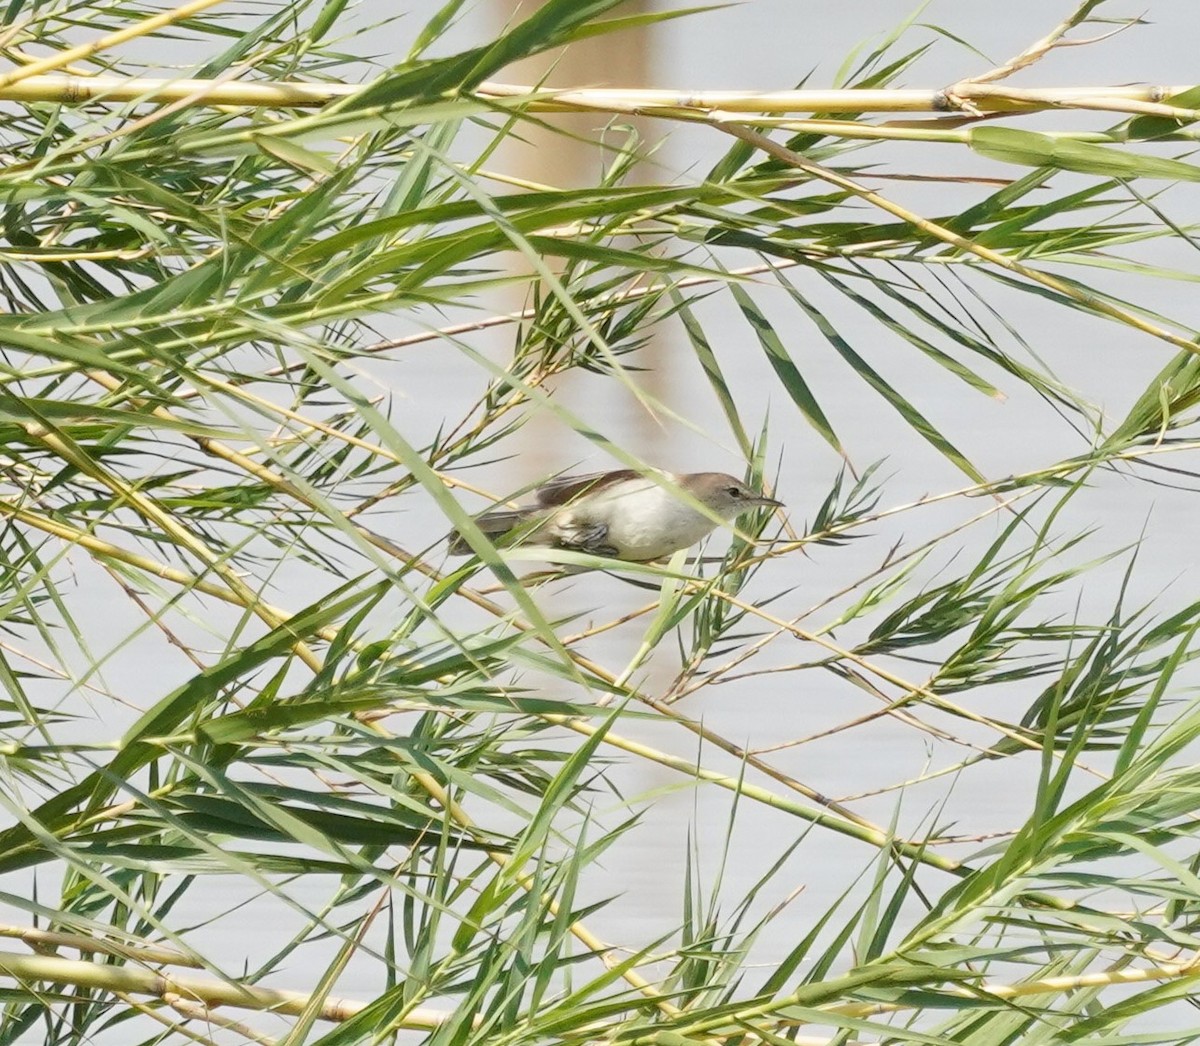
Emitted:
<point x="622" y="514"/>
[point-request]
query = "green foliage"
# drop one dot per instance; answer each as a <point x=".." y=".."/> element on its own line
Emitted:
<point x="251" y="718"/>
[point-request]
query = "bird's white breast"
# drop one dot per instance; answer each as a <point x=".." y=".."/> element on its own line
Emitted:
<point x="644" y="521"/>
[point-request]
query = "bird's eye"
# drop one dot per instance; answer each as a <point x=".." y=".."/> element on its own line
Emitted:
<point x="734" y="492"/>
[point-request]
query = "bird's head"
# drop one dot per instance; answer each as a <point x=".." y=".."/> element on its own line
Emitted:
<point x="726" y="495"/>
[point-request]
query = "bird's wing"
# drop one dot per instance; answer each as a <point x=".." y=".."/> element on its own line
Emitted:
<point x="565" y="489"/>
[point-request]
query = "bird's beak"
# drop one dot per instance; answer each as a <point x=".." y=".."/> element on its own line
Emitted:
<point x="767" y="502"/>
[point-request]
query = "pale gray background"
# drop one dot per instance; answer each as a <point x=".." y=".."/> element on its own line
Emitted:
<point x="772" y="44"/>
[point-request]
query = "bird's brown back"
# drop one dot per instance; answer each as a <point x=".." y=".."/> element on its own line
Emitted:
<point x="565" y="489"/>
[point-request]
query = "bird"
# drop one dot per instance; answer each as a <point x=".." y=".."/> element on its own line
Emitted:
<point x="622" y="514"/>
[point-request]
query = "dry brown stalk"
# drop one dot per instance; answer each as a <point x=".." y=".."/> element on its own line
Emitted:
<point x="1056" y="38"/>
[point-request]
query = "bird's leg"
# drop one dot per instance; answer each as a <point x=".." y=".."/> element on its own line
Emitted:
<point x="584" y="537"/>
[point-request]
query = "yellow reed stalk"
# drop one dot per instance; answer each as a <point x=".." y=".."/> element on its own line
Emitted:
<point x="29" y="84"/>
<point x="44" y="940"/>
<point x="107" y="977"/>
<point x="103" y="43"/>
<point x="987" y="98"/>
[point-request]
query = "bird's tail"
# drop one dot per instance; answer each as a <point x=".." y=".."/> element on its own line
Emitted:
<point x="495" y="526"/>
